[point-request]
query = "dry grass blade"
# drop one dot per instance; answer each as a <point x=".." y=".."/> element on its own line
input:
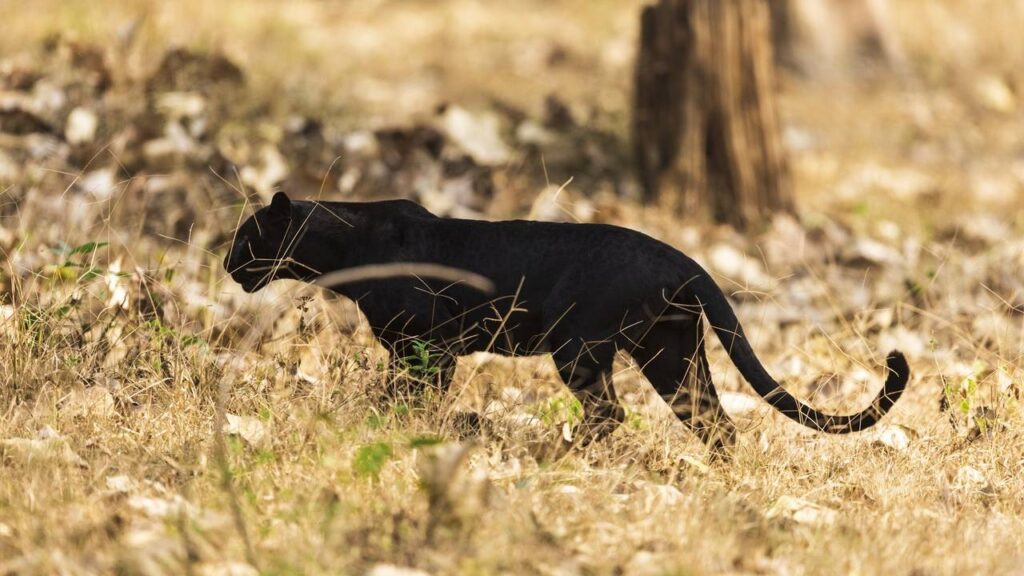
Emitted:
<point x="382" y="271"/>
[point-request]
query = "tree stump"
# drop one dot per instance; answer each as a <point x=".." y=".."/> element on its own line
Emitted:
<point x="705" y="127"/>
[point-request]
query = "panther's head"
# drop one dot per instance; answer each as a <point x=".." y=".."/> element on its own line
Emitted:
<point x="264" y="246"/>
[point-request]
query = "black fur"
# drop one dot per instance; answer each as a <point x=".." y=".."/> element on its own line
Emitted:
<point x="579" y="292"/>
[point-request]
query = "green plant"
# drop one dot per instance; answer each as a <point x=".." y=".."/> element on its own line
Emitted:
<point x="79" y="263"/>
<point x="422" y="364"/>
<point x="559" y="409"/>
<point x="959" y="397"/>
<point x="371" y="458"/>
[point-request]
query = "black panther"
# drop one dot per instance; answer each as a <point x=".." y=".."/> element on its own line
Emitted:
<point x="579" y="292"/>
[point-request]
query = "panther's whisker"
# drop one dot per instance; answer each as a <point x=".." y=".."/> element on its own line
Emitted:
<point x="278" y="264"/>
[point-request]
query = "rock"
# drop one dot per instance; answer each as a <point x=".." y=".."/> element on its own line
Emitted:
<point x="902" y="183"/>
<point x="269" y="170"/>
<point x="533" y="133"/>
<point x="100" y="184"/>
<point x="737" y="266"/>
<point x="81" y="126"/>
<point x="178" y="105"/>
<point x="478" y="134"/>
<point x="865" y="252"/>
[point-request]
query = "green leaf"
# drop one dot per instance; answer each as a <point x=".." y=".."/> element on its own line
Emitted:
<point x="87" y="248"/>
<point x="376" y="421"/>
<point x="982" y="423"/>
<point x="67" y="271"/>
<point x="369" y="459"/>
<point x="424" y="441"/>
<point x="192" y="340"/>
<point x="91" y="273"/>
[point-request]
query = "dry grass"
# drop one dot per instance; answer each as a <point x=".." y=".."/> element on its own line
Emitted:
<point x="114" y="384"/>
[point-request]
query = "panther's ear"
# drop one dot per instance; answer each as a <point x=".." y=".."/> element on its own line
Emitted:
<point x="280" y="207"/>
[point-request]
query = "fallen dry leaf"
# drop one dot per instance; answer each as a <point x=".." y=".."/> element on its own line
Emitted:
<point x="893" y="436"/>
<point x="739" y="403"/>
<point x="248" y="428"/>
<point x="91" y="402"/>
<point x="120" y="484"/>
<point x="40" y="450"/>
<point x="802" y="511"/>
<point x="160" y="507"/>
<point x="969" y="479"/>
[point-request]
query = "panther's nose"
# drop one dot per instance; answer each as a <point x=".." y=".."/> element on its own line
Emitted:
<point x="233" y="254"/>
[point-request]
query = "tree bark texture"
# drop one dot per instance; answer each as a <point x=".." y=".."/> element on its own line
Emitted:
<point x="705" y="126"/>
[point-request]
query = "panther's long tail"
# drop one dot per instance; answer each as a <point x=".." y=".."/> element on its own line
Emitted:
<point x="725" y="324"/>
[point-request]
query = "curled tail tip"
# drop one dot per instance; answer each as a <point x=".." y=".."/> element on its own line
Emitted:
<point x="899" y="371"/>
<point x="897" y="362"/>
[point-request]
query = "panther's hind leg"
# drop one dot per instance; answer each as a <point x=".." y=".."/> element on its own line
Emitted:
<point x="672" y="358"/>
<point x="586" y="368"/>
